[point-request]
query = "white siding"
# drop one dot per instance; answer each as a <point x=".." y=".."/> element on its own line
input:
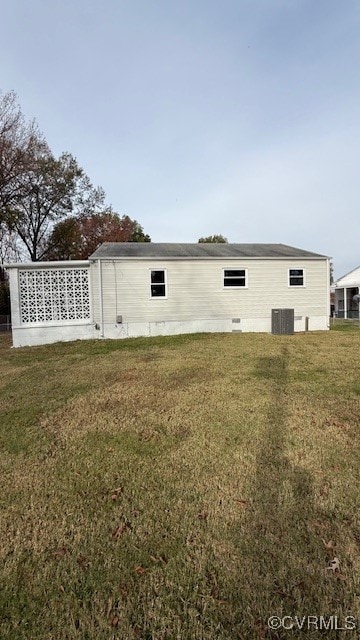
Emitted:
<point x="195" y="290"/>
<point x="196" y="299"/>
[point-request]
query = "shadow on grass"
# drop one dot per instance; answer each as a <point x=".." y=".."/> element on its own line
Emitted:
<point x="281" y="557"/>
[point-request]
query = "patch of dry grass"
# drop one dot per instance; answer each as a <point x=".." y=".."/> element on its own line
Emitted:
<point x="184" y="487"/>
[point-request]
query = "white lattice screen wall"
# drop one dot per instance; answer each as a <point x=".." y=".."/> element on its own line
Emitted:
<point x="49" y="295"/>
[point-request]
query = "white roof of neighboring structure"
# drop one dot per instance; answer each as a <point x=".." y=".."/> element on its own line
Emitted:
<point x="351" y="279"/>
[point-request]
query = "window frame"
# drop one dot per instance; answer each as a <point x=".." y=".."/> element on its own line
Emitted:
<point x="165" y="283"/>
<point x="297" y="286"/>
<point x="230" y="288"/>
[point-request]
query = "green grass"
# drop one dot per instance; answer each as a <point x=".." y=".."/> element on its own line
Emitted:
<point x="338" y="324"/>
<point x="184" y="487"/>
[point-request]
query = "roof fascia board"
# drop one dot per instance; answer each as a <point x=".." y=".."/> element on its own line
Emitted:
<point x="347" y="285"/>
<point x="44" y="265"/>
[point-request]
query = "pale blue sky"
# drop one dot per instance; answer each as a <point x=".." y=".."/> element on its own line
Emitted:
<point x="238" y="117"/>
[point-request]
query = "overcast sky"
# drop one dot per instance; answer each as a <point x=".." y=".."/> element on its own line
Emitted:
<point x="238" y="117"/>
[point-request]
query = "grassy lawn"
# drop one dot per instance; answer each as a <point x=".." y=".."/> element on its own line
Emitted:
<point x="179" y="488"/>
<point x="339" y="324"/>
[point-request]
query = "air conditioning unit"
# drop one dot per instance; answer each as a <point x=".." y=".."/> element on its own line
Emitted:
<point x="282" y="321"/>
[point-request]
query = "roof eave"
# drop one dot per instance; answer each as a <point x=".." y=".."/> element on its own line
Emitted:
<point x="190" y="258"/>
<point x="54" y="263"/>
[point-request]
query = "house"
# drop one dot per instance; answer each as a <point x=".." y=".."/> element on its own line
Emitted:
<point x="146" y="289"/>
<point x="346" y="290"/>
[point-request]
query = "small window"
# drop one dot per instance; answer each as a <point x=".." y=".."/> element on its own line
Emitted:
<point x="235" y="278"/>
<point x="158" y="284"/>
<point x="296" y="277"/>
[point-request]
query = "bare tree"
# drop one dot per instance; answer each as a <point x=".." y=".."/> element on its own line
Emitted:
<point x="38" y="190"/>
<point x="18" y="140"/>
<point x="9" y="247"/>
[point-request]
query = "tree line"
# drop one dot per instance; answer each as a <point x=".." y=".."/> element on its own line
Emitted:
<point x="49" y="209"/>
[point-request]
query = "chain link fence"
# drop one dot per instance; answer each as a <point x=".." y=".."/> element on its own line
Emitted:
<point x="5" y="323"/>
<point x="340" y="324"/>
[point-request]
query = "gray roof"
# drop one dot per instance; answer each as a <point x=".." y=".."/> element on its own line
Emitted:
<point x="170" y="250"/>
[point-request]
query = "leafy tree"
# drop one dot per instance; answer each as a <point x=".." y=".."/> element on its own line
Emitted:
<point x="331" y="272"/>
<point x="77" y="238"/>
<point x="215" y="238"/>
<point x="55" y="188"/>
<point x="137" y="232"/>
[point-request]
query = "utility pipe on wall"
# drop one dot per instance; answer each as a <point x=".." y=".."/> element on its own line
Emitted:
<point x="101" y="307"/>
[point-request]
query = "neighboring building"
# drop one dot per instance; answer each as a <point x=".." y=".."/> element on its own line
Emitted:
<point x="332" y="300"/>
<point x="346" y="306"/>
<point x="146" y="289"/>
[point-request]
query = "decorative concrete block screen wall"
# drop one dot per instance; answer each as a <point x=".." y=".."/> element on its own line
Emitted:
<point x="50" y="302"/>
<point x="48" y="295"/>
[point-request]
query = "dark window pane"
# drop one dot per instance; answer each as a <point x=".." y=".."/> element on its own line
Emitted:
<point x="296" y="272"/>
<point x="235" y="274"/>
<point x="296" y="282"/>
<point x="234" y="282"/>
<point x="158" y="291"/>
<point x="158" y="277"/>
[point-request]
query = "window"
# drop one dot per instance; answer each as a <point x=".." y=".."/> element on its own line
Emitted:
<point x="158" y="284"/>
<point x="296" y="278"/>
<point x="235" y="278"/>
